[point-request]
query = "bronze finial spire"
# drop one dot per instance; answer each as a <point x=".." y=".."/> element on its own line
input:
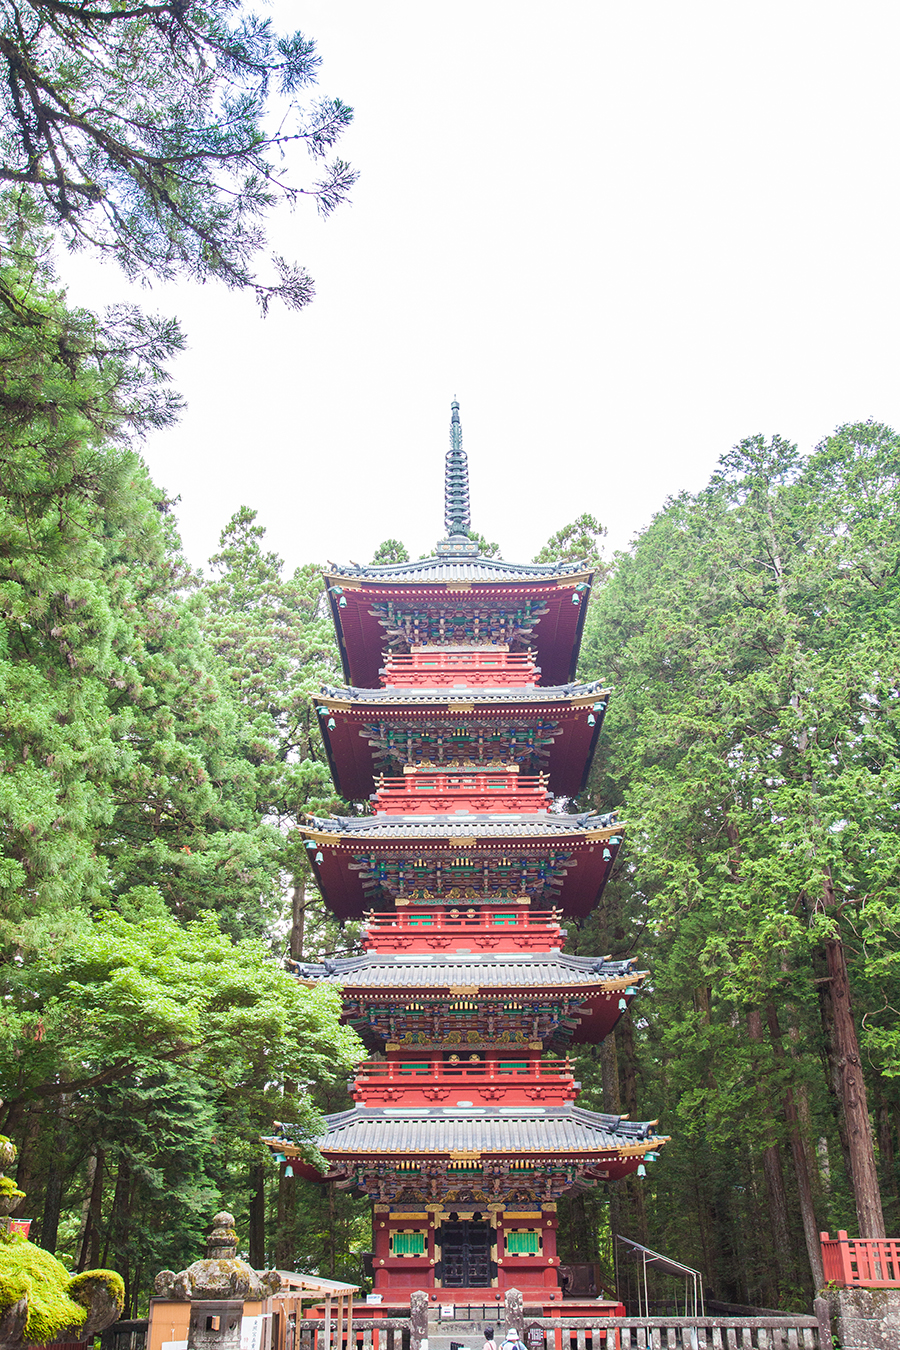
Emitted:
<point x="457" y="520"/>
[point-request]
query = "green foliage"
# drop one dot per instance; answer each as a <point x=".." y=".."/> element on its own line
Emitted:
<point x="143" y="132"/>
<point x="391" y="551"/>
<point x="752" y="745"/>
<point x="485" y="550"/>
<point x="27" y="1269"/>
<point x="122" y="763"/>
<point x="119" y="996"/>
<point x="274" y="645"/>
<point x="74" y="502"/>
<point x="578" y="542"/>
<point x="157" y="743"/>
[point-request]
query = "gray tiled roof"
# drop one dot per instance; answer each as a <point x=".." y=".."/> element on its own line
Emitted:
<point x="496" y="825"/>
<point x="556" y="693"/>
<point x="539" y="1130"/>
<point x="518" y="970"/>
<point x="463" y="569"/>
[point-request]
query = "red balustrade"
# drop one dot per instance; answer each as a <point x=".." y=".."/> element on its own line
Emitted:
<point x="478" y="1081"/>
<point x="513" y="930"/>
<point x="445" y="793"/>
<point x="872" y="1263"/>
<point x="482" y="668"/>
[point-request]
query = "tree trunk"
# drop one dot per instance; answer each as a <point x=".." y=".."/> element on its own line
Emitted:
<point x="705" y="1220"/>
<point x="776" y="1197"/>
<point x="284" y="1235"/>
<point x="332" y="1232"/>
<point x="258" y="1216"/>
<point x="800" y="1091"/>
<point x="625" y="1037"/>
<point x="25" y="1171"/>
<point x="833" y="1076"/>
<point x="53" y="1192"/>
<point x="298" y="917"/>
<point x="90" y="1242"/>
<point x="132" y="1310"/>
<point x="885" y="1137"/>
<point x="801" y="1162"/>
<point x="117" y="1228"/>
<point x="853" y="1092"/>
<point x="86" y="1211"/>
<point x="609" y="1071"/>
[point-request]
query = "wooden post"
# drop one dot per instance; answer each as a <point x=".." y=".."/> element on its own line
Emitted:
<point x="822" y="1313"/>
<point x="844" y="1249"/>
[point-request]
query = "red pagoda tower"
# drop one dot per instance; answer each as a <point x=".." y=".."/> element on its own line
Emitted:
<point x="460" y="723"/>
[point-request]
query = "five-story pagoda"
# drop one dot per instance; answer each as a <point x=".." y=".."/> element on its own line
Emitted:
<point x="461" y="722"/>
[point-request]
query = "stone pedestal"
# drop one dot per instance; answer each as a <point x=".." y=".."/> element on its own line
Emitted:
<point x="216" y="1324"/>
<point x="418" y="1320"/>
<point x="865" y="1319"/>
<point x="515" y="1314"/>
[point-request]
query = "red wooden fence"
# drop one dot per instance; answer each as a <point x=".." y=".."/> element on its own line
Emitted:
<point x="873" y="1263"/>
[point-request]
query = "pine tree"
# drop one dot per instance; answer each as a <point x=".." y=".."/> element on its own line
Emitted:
<point x="144" y="133"/>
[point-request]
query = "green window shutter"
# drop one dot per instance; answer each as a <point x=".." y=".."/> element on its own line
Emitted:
<point x="523" y="1242"/>
<point x="408" y="1244"/>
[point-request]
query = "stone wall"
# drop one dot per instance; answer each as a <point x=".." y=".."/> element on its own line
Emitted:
<point x="865" y="1319"/>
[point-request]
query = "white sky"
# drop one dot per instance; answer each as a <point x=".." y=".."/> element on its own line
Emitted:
<point x="624" y="235"/>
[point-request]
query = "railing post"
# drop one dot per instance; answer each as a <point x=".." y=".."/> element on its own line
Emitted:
<point x="418" y="1319"/>
<point x="515" y="1311"/>
<point x="844" y="1250"/>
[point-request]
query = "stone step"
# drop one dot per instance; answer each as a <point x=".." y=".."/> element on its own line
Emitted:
<point x="471" y="1340"/>
<point x="457" y="1329"/>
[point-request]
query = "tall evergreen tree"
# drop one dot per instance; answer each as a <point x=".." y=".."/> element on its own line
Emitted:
<point x="748" y="636"/>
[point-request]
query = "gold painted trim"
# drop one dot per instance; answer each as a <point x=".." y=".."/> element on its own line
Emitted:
<point x="569" y="583"/>
<point x="319" y="836"/>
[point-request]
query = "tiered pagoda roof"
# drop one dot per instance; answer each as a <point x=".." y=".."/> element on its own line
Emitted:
<point x="365" y="730"/>
<point x="595" y="1146"/>
<point x="482" y="599"/>
<point x="529" y="855"/>
<point x="461" y="727"/>
<point x="558" y="998"/>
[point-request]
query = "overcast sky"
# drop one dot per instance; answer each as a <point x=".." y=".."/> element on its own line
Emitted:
<point x="624" y="235"/>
